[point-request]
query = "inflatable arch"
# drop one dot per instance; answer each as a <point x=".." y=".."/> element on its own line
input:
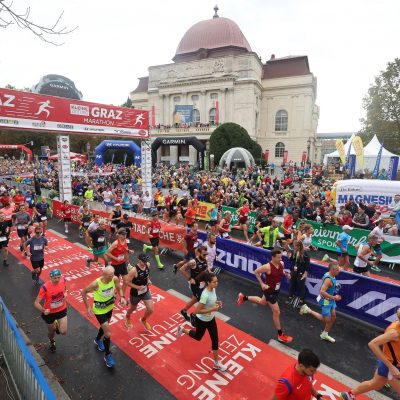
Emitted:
<point x="117" y="145"/>
<point x="18" y="147"/>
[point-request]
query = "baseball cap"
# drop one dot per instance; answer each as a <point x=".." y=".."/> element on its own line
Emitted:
<point x="55" y="272"/>
<point x="143" y="257"/>
<point x="347" y="228"/>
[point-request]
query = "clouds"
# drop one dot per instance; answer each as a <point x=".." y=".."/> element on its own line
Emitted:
<point x="347" y="42"/>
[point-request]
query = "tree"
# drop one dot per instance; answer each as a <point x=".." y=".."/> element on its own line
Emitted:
<point x="382" y="105"/>
<point x="231" y="135"/>
<point x="128" y="103"/>
<point x="8" y="17"/>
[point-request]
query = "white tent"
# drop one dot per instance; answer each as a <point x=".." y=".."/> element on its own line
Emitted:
<point x="371" y="151"/>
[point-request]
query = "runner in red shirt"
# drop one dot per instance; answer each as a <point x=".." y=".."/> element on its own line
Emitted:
<point x="18" y="200"/>
<point x="154" y="229"/>
<point x="118" y="253"/>
<point x="54" y="310"/>
<point x="224" y="226"/>
<point x="190" y="215"/>
<point x="66" y="212"/>
<point x="243" y="223"/>
<point x="191" y="244"/>
<point x="295" y="382"/>
<point x="274" y="274"/>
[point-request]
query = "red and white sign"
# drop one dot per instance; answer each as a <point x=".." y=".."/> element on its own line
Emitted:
<point x="24" y="110"/>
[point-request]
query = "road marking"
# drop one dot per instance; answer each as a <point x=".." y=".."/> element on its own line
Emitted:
<point x="57" y="233"/>
<point x="81" y="245"/>
<point x="181" y="296"/>
<point x="332" y="373"/>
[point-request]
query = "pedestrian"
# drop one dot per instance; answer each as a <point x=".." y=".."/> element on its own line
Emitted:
<point x="342" y="247"/>
<point x="327" y="300"/>
<point x="54" y="310"/>
<point x="206" y="308"/>
<point x="34" y="248"/>
<point x="103" y="289"/>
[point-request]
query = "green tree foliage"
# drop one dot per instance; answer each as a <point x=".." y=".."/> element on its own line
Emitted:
<point x="128" y="103"/>
<point x="231" y="135"/>
<point x="382" y="106"/>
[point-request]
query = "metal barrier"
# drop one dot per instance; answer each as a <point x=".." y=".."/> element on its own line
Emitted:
<point x="25" y="373"/>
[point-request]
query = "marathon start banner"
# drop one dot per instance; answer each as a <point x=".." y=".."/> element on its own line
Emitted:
<point x="25" y="110"/>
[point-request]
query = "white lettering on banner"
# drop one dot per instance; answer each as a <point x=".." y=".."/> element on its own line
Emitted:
<point x="314" y="284"/>
<point x="94" y="121"/>
<point x="99" y="112"/>
<point x="378" y="309"/>
<point x="326" y="391"/>
<point x="237" y="261"/>
<point x="7" y="101"/>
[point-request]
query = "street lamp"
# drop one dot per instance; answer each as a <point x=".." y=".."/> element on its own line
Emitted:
<point x="308" y="149"/>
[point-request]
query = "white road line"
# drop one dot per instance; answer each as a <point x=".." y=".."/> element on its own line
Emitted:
<point x="57" y="233"/>
<point x="81" y="245"/>
<point x="181" y="296"/>
<point x="349" y="382"/>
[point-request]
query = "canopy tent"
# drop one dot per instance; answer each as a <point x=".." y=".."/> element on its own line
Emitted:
<point x="72" y="156"/>
<point x="237" y="156"/>
<point x="371" y="151"/>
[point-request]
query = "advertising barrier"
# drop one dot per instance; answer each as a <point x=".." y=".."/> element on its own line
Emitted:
<point x="235" y="217"/>
<point x="325" y="236"/>
<point x="202" y="210"/>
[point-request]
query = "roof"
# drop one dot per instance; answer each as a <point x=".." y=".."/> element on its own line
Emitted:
<point x="285" y="66"/>
<point x="143" y="85"/>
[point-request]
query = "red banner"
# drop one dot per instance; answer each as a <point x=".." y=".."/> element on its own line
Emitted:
<point x="266" y="155"/>
<point x="304" y="157"/>
<point x="153" y="115"/>
<point x="24" y="110"/>
<point x="217" y="112"/>
<point x="285" y="156"/>
<point x="171" y="236"/>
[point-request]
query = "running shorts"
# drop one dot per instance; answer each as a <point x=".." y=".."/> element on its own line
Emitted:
<point x="50" y="318"/>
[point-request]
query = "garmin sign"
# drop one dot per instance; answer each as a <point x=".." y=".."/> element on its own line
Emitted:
<point x="174" y="141"/>
<point x="57" y="85"/>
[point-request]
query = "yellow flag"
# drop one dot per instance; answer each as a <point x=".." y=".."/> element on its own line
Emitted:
<point x="359" y="150"/>
<point x="341" y="151"/>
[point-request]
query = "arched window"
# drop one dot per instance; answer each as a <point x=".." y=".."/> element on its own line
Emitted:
<point x="279" y="150"/>
<point x="281" y="121"/>
<point x="212" y="116"/>
<point x="196" y="116"/>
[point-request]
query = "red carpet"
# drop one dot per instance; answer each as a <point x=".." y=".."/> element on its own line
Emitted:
<point x="181" y="365"/>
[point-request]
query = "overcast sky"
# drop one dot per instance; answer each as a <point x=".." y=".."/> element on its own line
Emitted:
<point x="347" y="42"/>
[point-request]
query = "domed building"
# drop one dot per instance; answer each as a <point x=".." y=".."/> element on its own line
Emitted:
<point x="215" y="78"/>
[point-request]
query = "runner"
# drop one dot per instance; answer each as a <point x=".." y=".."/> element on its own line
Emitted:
<point x="98" y="238"/>
<point x="138" y="280"/>
<point x="84" y="216"/>
<point x="127" y="225"/>
<point x="191" y="243"/>
<point x="327" y="300"/>
<point x="34" y="248"/>
<point x="115" y="217"/>
<point x="377" y="250"/>
<point x="118" y="254"/>
<point x="154" y="229"/>
<point x="40" y="211"/>
<point x="54" y="311"/>
<point x="243" y="222"/>
<point x="190" y="216"/>
<point x="103" y="290"/>
<point x="386" y="348"/>
<point x="197" y="268"/>
<point x="274" y="274"/>
<point x="21" y="222"/>
<point x="18" y="200"/>
<point x="107" y="198"/>
<point x="296" y="382"/>
<point x="206" y="308"/>
<point x="213" y="215"/>
<point x="92" y="227"/>
<point x="66" y="212"/>
<point x="224" y="226"/>
<point x="4" y="238"/>
<point x="342" y="244"/>
<point x="211" y="246"/>
<point x="271" y="235"/>
<point x="183" y="205"/>
<point x="362" y="263"/>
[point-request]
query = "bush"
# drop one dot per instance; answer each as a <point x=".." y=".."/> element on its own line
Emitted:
<point x="52" y="194"/>
<point x="77" y="201"/>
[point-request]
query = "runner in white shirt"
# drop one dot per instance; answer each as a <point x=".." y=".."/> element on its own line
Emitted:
<point x="107" y="197"/>
<point x="211" y="252"/>
<point x="378" y="232"/>
<point x="135" y="199"/>
<point x="147" y="203"/>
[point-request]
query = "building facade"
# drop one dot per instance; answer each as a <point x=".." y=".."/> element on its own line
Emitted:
<point x="216" y="73"/>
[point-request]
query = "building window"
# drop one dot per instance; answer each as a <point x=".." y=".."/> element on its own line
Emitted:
<point x="281" y="121"/>
<point x="195" y="97"/>
<point x="165" y="151"/>
<point x="279" y="150"/>
<point x="196" y="116"/>
<point x="212" y="116"/>
<point x="214" y="96"/>
<point x="177" y="99"/>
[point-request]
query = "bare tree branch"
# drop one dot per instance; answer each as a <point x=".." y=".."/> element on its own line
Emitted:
<point x="9" y="17"/>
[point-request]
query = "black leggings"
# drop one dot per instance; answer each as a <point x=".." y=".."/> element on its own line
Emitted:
<point x="201" y="327"/>
<point x="297" y="282"/>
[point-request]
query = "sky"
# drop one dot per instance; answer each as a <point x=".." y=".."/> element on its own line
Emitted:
<point x="348" y="43"/>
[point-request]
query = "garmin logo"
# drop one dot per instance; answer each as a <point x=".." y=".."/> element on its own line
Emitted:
<point x="174" y="141"/>
<point x="58" y="86"/>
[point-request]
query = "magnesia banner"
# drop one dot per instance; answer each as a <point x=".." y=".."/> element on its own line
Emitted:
<point x="235" y="217"/>
<point x="25" y="110"/>
<point x="325" y="237"/>
<point x="370" y="300"/>
<point x="367" y="191"/>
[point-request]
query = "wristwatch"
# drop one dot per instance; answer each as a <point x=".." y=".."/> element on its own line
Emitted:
<point x="319" y="396"/>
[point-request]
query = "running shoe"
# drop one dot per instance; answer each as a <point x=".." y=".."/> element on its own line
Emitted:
<point x="325" y="336"/>
<point x="193" y="320"/>
<point x="100" y="345"/>
<point x="87" y="263"/>
<point x="175" y="268"/>
<point x="219" y="366"/>
<point x="81" y="235"/>
<point x="347" y="396"/>
<point x="89" y="248"/>
<point x="57" y="327"/>
<point x="304" y="309"/>
<point x="185" y="314"/>
<point x="179" y="331"/>
<point x="161" y="266"/>
<point x="325" y="258"/>
<point x="128" y="322"/>
<point x="284" y="338"/>
<point x="20" y="247"/>
<point x="144" y="249"/>
<point x="375" y="268"/>
<point x="52" y="346"/>
<point x="34" y="276"/>
<point x="25" y="254"/>
<point x="109" y="360"/>
<point x="145" y="324"/>
<point x="240" y="299"/>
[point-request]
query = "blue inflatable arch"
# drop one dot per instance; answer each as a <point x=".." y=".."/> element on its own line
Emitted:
<point x="117" y="145"/>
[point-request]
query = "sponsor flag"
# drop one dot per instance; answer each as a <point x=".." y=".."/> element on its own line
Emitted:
<point x="341" y="151"/>
<point x="377" y="163"/>
<point x="359" y="150"/>
<point x="393" y="165"/>
<point x="153" y="115"/>
<point x="266" y="155"/>
<point x="217" y="112"/>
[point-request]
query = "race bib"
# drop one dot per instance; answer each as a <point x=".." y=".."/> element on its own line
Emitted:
<point x="128" y="241"/>
<point x="20" y="227"/>
<point x="156" y="230"/>
<point x="121" y="257"/>
<point x="225" y="234"/>
<point x="108" y="292"/>
<point x="101" y="239"/>
<point x="196" y="245"/>
<point x="56" y="304"/>
<point x="86" y="223"/>
<point x="37" y="248"/>
<point x="3" y="238"/>
<point x="142" y="291"/>
<point x="202" y="285"/>
<point x="278" y="286"/>
<point x="113" y="225"/>
<point x="43" y="218"/>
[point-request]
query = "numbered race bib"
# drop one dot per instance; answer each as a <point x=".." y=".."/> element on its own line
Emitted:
<point x="3" y="238"/>
<point x="143" y="291"/>
<point x="113" y="225"/>
<point x="56" y="304"/>
<point x="43" y="218"/>
<point x="128" y="241"/>
<point x="225" y="234"/>
<point x="196" y="245"/>
<point x="156" y="230"/>
<point x="37" y="248"/>
<point x="202" y="285"/>
<point x="101" y="239"/>
<point x="108" y="292"/>
<point x="278" y="286"/>
<point x="20" y="227"/>
<point x="86" y="223"/>
<point x="121" y="257"/>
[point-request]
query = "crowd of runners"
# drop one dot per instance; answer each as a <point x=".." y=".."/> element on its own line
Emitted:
<point x="111" y="244"/>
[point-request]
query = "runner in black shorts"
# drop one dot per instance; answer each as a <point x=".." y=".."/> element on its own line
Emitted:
<point x="118" y="253"/>
<point x="4" y="237"/>
<point x="34" y="247"/>
<point x="21" y="221"/>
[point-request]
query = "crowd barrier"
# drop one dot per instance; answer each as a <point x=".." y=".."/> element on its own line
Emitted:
<point x="26" y="375"/>
<point x="369" y="300"/>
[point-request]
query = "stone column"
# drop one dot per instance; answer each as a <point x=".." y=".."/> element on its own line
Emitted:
<point x="203" y="108"/>
<point x="173" y="154"/>
<point x="192" y="155"/>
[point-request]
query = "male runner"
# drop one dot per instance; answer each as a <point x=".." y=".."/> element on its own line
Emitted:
<point x="34" y="248"/>
<point x="92" y="227"/>
<point x="85" y="216"/>
<point x="127" y="225"/>
<point x="191" y="243"/>
<point x="327" y="300"/>
<point x="362" y="263"/>
<point x="118" y="254"/>
<point x="103" y="290"/>
<point x="21" y="221"/>
<point x="274" y="273"/>
<point x="40" y="210"/>
<point x="98" y="239"/>
<point x="54" y="311"/>
<point x="211" y="246"/>
<point x="139" y="281"/>
<point x="115" y="217"/>
<point x="386" y="347"/>
<point x="4" y="238"/>
<point x="154" y="229"/>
